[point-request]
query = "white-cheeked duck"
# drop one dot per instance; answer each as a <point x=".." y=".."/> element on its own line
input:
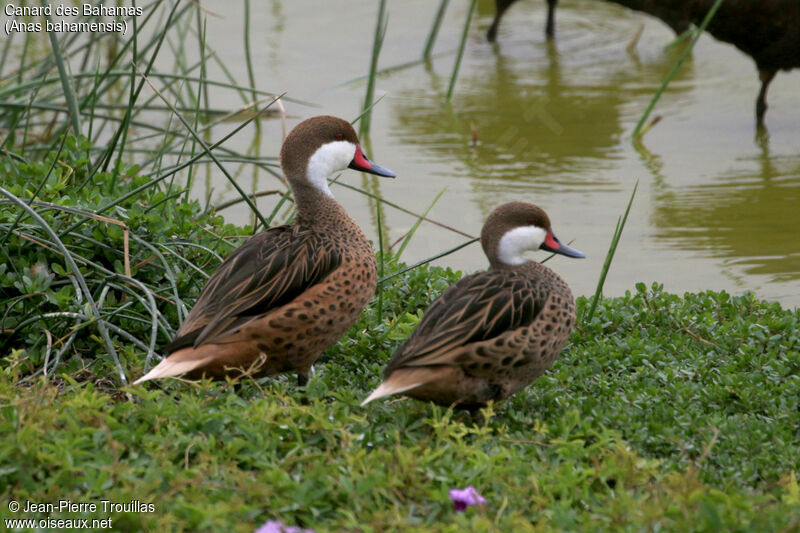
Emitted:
<point x="491" y="333"/>
<point x="285" y="295"/>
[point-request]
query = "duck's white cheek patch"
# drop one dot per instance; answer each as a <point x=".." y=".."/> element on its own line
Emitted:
<point x="328" y="159"/>
<point x="518" y="240"/>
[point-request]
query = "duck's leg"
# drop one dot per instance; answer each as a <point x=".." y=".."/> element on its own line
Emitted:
<point x="500" y="8"/>
<point x="302" y="379"/>
<point x="476" y="415"/>
<point x="550" y="28"/>
<point x="766" y="76"/>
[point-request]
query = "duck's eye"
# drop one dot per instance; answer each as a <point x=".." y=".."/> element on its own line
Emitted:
<point x="531" y="222"/>
<point x="339" y="137"/>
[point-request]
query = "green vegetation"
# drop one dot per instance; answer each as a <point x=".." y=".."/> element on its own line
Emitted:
<point x="137" y="267"/>
<point x="679" y="413"/>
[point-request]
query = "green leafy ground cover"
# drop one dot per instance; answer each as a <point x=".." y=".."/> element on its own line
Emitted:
<point x="665" y="412"/>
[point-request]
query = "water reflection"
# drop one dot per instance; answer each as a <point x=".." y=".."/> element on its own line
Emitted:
<point x="273" y="35"/>
<point x="532" y="119"/>
<point x="748" y="216"/>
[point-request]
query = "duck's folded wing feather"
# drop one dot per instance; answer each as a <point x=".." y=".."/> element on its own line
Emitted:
<point x="269" y="270"/>
<point x="476" y="308"/>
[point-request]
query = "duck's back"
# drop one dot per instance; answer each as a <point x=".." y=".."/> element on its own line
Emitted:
<point x="497" y="331"/>
<point x="767" y="30"/>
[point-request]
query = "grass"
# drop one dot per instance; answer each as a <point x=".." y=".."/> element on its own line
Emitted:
<point x="104" y="100"/>
<point x="70" y="271"/>
<point x="693" y="438"/>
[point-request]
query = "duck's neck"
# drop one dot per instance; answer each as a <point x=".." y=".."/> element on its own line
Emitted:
<point x="529" y="269"/>
<point x="527" y="265"/>
<point x="499" y="265"/>
<point x="316" y="206"/>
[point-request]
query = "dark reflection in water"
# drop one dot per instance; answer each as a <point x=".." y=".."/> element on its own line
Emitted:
<point x="749" y="217"/>
<point x="532" y="119"/>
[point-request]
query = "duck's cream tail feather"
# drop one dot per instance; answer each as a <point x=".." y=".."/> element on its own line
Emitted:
<point x="402" y="380"/>
<point x="170" y="367"/>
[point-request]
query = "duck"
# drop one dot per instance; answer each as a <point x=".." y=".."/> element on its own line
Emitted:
<point x="767" y="31"/>
<point x="491" y="333"/>
<point x="280" y="299"/>
<point x="501" y="6"/>
<point x="662" y="10"/>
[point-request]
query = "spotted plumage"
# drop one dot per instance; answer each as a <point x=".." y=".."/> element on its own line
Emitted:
<point x="491" y="333"/>
<point x="288" y="293"/>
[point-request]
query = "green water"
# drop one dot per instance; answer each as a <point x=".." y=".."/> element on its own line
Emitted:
<point x="718" y="207"/>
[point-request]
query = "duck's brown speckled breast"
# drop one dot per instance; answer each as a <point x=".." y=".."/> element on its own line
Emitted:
<point x="496" y="368"/>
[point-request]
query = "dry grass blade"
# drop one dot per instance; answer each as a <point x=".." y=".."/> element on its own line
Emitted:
<point x="428" y="260"/>
<point x="125" y="239"/>
<point x="407" y="211"/>
<point x="419" y="220"/>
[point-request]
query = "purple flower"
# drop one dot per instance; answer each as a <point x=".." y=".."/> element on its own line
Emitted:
<point x="275" y="526"/>
<point x="466" y="497"/>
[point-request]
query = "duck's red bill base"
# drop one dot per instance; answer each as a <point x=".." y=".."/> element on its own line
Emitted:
<point x="552" y="244"/>
<point x="360" y="162"/>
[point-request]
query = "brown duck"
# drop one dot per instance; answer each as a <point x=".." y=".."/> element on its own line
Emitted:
<point x="766" y="30"/>
<point x="489" y="334"/>
<point x="663" y="9"/>
<point x="288" y="293"/>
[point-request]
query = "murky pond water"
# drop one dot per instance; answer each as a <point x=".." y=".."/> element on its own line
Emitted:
<point x="717" y="207"/>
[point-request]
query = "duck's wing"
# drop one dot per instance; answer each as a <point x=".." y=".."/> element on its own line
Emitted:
<point x="269" y="270"/>
<point x="476" y="308"/>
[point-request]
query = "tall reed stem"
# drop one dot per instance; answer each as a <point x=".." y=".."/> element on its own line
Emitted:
<point x="437" y="22"/>
<point x="66" y="86"/>
<point x="463" y="43"/>
<point x="610" y="256"/>
<point x="381" y="24"/>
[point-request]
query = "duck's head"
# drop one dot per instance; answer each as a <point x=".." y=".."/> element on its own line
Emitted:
<point x="320" y="146"/>
<point x="517" y="227"/>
